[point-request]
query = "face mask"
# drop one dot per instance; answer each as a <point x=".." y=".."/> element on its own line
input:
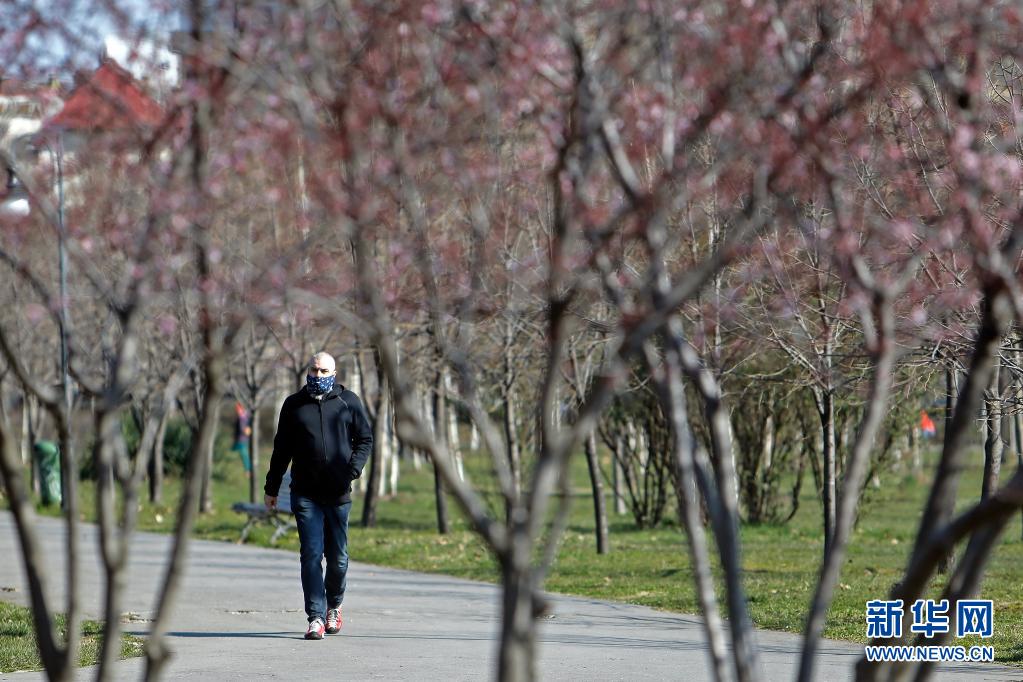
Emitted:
<point x="319" y="385"/>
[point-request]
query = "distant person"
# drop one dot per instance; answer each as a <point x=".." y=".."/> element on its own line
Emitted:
<point x="325" y="436"/>
<point x="927" y="427"/>
<point x="243" y="436"/>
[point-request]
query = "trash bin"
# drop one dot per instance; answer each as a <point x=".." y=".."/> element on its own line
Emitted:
<point x="48" y="458"/>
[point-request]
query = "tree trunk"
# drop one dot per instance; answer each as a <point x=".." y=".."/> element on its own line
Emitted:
<point x="916" y="452"/>
<point x="356" y="383"/>
<point x="951" y="392"/>
<point x="511" y="436"/>
<point x="517" y="657"/>
<point x="206" y="493"/>
<point x="369" y="504"/>
<point x="356" y="380"/>
<point x="34" y="425"/>
<point x="393" y="451"/>
<point x="856" y="468"/>
<point x="1017" y="421"/>
<point x="993" y="447"/>
<point x="797" y="487"/>
<point x="113" y="533"/>
<point x="599" y="508"/>
<point x="254" y="488"/>
<point x="156" y="462"/>
<point x="440" y="433"/>
<point x="994" y="324"/>
<point x="454" y="440"/>
<point x="157" y="652"/>
<point x="826" y="410"/>
<point x="514" y="457"/>
<point x="721" y="496"/>
<point x="759" y="487"/>
<point x="55" y="659"/>
<point x="386" y="451"/>
<point x="673" y="400"/>
<point x="278" y="406"/>
<point x="28" y="438"/>
<point x="616" y="478"/>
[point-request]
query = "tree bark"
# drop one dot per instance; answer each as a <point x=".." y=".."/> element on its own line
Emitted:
<point x="1017" y="417"/>
<point x="206" y="493"/>
<point x="517" y="659"/>
<point x="474" y="437"/>
<point x="440" y="433"/>
<point x="915" y="451"/>
<point x="113" y="549"/>
<point x="156" y="462"/>
<point x="993" y="448"/>
<point x="511" y="418"/>
<point x="369" y="503"/>
<point x="616" y="478"/>
<point x="386" y="452"/>
<point x="55" y="659"/>
<point x="254" y="488"/>
<point x="454" y="440"/>
<point x="995" y="319"/>
<point x="951" y="396"/>
<point x="29" y="434"/>
<point x="722" y="499"/>
<point x="673" y="399"/>
<point x="599" y="507"/>
<point x="937" y="516"/>
<point x="393" y="451"/>
<point x="511" y="437"/>
<point x="156" y="651"/>
<point x="857" y="463"/>
<point x="826" y="411"/>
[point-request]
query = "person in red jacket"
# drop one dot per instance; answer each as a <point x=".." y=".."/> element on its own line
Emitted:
<point x="325" y="436"/>
<point x="927" y="427"/>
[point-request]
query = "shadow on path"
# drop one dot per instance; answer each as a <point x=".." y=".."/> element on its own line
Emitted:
<point x="227" y="635"/>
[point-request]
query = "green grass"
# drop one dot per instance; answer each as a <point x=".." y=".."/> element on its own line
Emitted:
<point x="18" y="650"/>
<point x="651" y="567"/>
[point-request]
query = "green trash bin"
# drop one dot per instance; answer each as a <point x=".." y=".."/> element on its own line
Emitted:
<point x="48" y="458"/>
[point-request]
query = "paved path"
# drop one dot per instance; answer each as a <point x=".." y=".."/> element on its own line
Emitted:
<point x="239" y="617"/>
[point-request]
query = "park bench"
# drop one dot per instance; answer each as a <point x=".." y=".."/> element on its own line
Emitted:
<point x="282" y="519"/>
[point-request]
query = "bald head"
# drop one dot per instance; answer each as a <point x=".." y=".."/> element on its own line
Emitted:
<point x="322" y="365"/>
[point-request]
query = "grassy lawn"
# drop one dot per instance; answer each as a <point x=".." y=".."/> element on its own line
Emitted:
<point x="650" y="567"/>
<point x="18" y="649"/>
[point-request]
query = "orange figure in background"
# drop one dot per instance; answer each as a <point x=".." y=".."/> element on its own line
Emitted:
<point x="242" y="436"/>
<point x="927" y="427"/>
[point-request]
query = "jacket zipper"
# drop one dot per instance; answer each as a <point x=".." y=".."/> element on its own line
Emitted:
<point x="323" y="440"/>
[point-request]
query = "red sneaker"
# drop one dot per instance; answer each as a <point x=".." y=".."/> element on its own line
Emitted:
<point x="334" y="621"/>
<point x="315" y="630"/>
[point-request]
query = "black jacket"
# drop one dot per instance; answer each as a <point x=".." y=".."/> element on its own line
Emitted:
<point x="327" y="443"/>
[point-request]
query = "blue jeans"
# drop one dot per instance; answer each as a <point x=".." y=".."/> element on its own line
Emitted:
<point x="322" y="531"/>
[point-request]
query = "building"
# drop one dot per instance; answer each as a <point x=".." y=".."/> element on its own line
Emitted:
<point x="109" y="100"/>
<point x="42" y="133"/>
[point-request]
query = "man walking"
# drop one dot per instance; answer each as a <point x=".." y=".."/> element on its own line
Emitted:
<point x="325" y="436"/>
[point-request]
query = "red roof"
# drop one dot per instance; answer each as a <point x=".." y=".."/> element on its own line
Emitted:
<point x="109" y="99"/>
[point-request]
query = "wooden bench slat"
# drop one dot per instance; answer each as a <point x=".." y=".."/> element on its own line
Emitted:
<point x="259" y="512"/>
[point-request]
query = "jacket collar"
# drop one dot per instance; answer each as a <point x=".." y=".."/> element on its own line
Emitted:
<point x="332" y="393"/>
